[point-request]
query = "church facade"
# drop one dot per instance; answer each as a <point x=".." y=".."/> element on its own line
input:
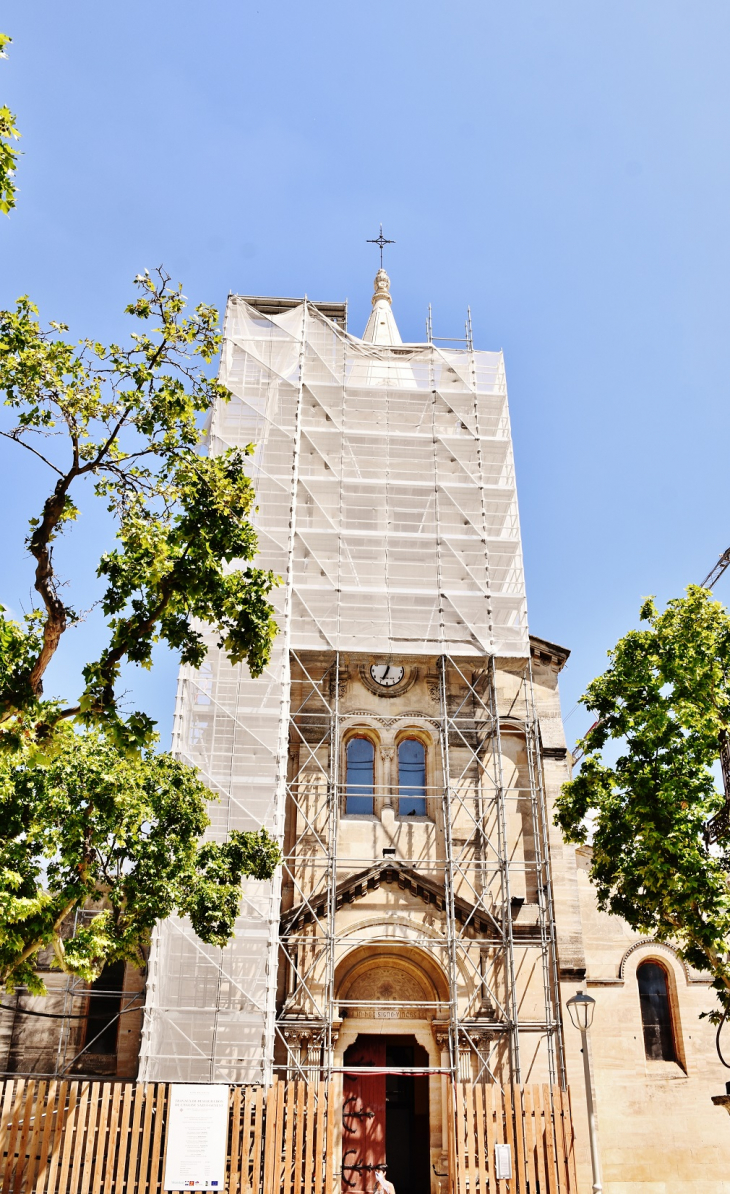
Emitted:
<point x="406" y="745"/>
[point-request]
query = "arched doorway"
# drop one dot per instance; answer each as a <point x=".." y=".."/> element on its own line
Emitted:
<point x="389" y="998"/>
<point x="385" y="1113"/>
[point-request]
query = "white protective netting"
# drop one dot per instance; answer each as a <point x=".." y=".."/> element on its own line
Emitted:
<point x="387" y="503"/>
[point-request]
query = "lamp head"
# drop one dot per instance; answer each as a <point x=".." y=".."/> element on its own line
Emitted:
<point x="581" y="1008"/>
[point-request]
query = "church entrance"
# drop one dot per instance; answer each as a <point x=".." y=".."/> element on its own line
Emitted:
<point x="385" y="1115"/>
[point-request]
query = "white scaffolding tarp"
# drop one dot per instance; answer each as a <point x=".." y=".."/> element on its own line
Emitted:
<point x="386" y="498"/>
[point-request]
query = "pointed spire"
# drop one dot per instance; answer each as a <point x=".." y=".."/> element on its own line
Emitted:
<point x="381" y="326"/>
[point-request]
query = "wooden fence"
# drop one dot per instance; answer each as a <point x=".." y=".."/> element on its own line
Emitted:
<point x="81" y="1137"/>
<point x="101" y="1137"/>
<point x="535" y="1121"/>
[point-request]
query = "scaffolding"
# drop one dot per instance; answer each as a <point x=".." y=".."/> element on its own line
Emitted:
<point x="471" y="881"/>
<point x="387" y="504"/>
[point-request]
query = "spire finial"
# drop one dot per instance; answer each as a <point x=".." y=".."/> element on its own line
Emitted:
<point x="382" y="287"/>
<point x="381" y="241"/>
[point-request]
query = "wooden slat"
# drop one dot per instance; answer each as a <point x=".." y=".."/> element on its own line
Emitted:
<point x="25" y="1120"/>
<point x="299" y="1150"/>
<point x="568" y="1102"/>
<point x="46" y="1144"/>
<point x="279" y="1134"/>
<point x="26" y="1112"/>
<point x="247" y="1137"/>
<point x="489" y="1093"/>
<point x="35" y="1138"/>
<point x="539" y="1137"/>
<point x="329" y="1167"/>
<point x="5" y="1125"/>
<point x="244" y="1181"/>
<point x="500" y="1184"/>
<point x="69" y="1125"/>
<point x="470" y="1134"/>
<point x="561" y="1151"/>
<point x="530" y="1138"/>
<point x="109" y="1145"/>
<point x="91" y="1138"/>
<point x="463" y="1138"/>
<point x="123" y="1148"/>
<point x="318" y="1142"/>
<point x="238" y="1137"/>
<point x="286" y="1179"/>
<point x="144" y="1152"/>
<point x="274" y="1097"/>
<point x="481" y="1129"/>
<point x="458" y="1117"/>
<point x="552" y="1176"/>
<point x="138" y="1091"/>
<point x="509" y="1130"/>
<point x="155" y="1180"/>
<point x="101" y="1130"/>
<point x="80" y="1145"/>
<point x="58" y="1131"/>
<point x="256" y="1175"/>
<point x="519" y="1140"/>
<point x="309" y="1141"/>
<point x="16" y="1113"/>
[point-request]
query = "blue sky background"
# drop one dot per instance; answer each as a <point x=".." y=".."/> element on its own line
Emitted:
<point x="563" y="168"/>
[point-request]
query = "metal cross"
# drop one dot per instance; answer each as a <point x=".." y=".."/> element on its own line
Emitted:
<point x="381" y="240"/>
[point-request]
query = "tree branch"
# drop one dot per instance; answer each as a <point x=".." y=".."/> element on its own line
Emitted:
<point x="22" y="444"/>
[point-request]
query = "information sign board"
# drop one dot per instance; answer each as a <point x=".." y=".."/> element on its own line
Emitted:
<point x="197" y="1134"/>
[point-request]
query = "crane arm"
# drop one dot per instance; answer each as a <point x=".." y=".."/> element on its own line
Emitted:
<point x="714" y="575"/>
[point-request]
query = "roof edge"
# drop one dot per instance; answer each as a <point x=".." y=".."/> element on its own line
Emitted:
<point x="543" y="646"/>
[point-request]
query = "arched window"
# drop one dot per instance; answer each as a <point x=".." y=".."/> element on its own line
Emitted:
<point x="360" y="776"/>
<point x="656" y="1015"/>
<point x="412" y="778"/>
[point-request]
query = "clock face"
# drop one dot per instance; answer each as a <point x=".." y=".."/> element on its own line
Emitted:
<point x="386" y="674"/>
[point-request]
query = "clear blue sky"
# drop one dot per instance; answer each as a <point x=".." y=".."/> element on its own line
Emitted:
<point x="563" y="167"/>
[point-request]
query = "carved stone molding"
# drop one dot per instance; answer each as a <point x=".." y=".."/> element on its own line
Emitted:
<point x="409" y="716"/>
<point x="654" y="946"/>
<point x="343" y="680"/>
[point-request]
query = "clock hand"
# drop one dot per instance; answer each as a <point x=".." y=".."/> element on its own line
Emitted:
<point x="385" y="673"/>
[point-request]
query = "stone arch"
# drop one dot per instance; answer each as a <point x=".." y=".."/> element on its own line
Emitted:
<point x="653" y="947"/>
<point x="392" y="974"/>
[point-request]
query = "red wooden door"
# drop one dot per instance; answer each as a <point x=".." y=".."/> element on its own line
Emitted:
<point x="363" y="1116"/>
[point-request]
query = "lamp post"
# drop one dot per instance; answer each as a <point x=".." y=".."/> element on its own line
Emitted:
<point x="581" y="1008"/>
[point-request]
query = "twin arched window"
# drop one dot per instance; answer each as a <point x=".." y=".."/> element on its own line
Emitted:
<point x="656" y="1015"/>
<point x="360" y="781"/>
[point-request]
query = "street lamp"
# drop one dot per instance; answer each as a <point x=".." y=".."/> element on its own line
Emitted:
<point x="581" y="1008"/>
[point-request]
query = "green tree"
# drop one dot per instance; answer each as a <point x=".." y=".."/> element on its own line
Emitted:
<point x="127" y="421"/>
<point x="94" y="828"/>
<point x="665" y="700"/>
<point x="87" y="811"/>
<point x="8" y="153"/>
